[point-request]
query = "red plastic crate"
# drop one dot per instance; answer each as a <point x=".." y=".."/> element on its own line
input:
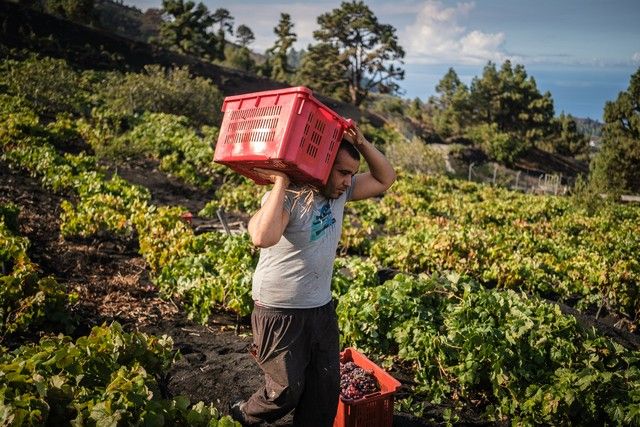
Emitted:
<point x="285" y="129"/>
<point x="374" y="410"/>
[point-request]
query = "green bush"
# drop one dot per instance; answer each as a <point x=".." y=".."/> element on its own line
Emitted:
<point x="586" y="195"/>
<point x="160" y="90"/>
<point x="239" y="58"/>
<point x="50" y="85"/>
<point x="202" y="270"/>
<point x="27" y="299"/>
<point x="387" y="104"/>
<point x="169" y="138"/>
<point x="236" y="194"/>
<point x="108" y="378"/>
<point x="517" y="358"/>
<point x="381" y="136"/>
<point x="350" y="272"/>
<point x="501" y="146"/>
<point x="415" y="156"/>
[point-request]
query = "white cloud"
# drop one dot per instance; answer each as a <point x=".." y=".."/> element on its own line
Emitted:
<point x="635" y="58"/>
<point x="438" y="35"/>
<point x="477" y="44"/>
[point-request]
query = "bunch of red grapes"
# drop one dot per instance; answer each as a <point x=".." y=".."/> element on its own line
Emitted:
<point x="355" y="382"/>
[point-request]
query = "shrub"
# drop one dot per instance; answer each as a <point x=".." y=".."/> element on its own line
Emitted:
<point x="157" y="90"/>
<point x="585" y="195"/>
<point x="415" y="156"/>
<point x="389" y="105"/>
<point x="381" y="136"/>
<point x="170" y="139"/>
<point x="239" y="58"/>
<point x="50" y="85"/>
<point x="501" y="146"/>
<point x="27" y="299"/>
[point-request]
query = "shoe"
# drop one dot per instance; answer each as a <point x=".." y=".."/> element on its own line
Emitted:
<point x="237" y="413"/>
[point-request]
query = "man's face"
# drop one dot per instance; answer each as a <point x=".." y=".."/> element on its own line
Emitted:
<point x="339" y="180"/>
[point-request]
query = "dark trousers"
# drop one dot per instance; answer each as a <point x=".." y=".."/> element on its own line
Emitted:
<point x="298" y="351"/>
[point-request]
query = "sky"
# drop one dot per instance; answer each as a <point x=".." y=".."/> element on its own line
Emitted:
<point x="582" y="51"/>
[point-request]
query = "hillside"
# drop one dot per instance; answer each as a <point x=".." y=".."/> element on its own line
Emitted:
<point x="89" y="48"/>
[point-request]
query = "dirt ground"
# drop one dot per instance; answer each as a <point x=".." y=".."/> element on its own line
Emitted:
<point x="113" y="283"/>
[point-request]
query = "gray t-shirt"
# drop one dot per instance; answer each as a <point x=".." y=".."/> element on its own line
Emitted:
<point x="296" y="272"/>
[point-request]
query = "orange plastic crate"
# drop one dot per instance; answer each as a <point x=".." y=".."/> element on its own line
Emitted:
<point x="285" y="129"/>
<point x="374" y="410"/>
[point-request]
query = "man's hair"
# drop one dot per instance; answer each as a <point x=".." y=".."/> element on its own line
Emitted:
<point x="353" y="152"/>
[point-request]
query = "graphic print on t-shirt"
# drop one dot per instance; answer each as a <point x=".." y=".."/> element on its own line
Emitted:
<point x="323" y="220"/>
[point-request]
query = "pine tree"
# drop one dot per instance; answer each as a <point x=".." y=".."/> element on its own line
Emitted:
<point x="507" y="112"/>
<point x="451" y="107"/>
<point x="484" y="93"/>
<point x="616" y="168"/>
<point x="321" y="70"/>
<point x="222" y="17"/>
<point x="186" y="28"/>
<point x="523" y="110"/>
<point x="368" y="51"/>
<point x="239" y="58"/>
<point x="278" y="54"/>
<point x="244" y="35"/>
<point x="569" y="141"/>
<point x="510" y="99"/>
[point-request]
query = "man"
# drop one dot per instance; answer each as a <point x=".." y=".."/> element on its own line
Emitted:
<point x="295" y="328"/>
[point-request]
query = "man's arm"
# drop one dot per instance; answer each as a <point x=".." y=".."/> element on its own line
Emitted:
<point x="267" y="225"/>
<point x="381" y="174"/>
